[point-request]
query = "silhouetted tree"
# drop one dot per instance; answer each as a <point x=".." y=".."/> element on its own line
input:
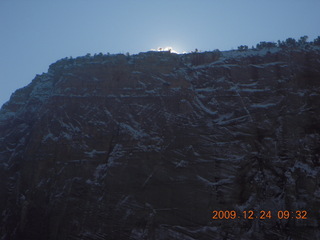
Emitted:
<point x="243" y="48"/>
<point x="303" y="40"/>
<point x="290" y="42"/>
<point x="281" y="44"/>
<point x="262" y="45"/>
<point x="317" y="41"/>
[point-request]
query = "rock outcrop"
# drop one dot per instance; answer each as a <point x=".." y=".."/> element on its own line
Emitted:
<point x="148" y="146"/>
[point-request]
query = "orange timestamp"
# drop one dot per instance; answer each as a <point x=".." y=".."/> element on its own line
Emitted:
<point x="250" y="214"/>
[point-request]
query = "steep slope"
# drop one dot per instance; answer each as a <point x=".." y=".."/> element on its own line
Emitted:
<point x="147" y="146"/>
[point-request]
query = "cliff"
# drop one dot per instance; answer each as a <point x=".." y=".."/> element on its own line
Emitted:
<point x="147" y="146"/>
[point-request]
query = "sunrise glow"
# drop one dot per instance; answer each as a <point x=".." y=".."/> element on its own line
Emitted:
<point x="162" y="49"/>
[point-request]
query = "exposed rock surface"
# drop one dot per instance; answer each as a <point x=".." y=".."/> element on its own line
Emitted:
<point x="147" y="146"/>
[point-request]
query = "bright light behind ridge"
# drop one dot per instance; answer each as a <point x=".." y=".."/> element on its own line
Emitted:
<point x="187" y="25"/>
<point x="160" y="49"/>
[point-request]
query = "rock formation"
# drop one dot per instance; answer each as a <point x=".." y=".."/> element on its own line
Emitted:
<point x="148" y="146"/>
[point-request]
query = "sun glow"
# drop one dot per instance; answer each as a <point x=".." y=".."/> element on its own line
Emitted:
<point x="165" y="49"/>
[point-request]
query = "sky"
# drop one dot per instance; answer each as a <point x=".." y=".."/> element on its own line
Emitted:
<point x="36" y="33"/>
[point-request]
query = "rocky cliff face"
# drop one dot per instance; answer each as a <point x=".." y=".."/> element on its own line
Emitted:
<point x="147" y="146"/>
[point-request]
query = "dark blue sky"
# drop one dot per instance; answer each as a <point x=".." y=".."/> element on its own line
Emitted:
<point x="36" y="33"/>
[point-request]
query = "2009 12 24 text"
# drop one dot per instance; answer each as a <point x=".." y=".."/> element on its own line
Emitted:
<point x="250" y="214"/>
